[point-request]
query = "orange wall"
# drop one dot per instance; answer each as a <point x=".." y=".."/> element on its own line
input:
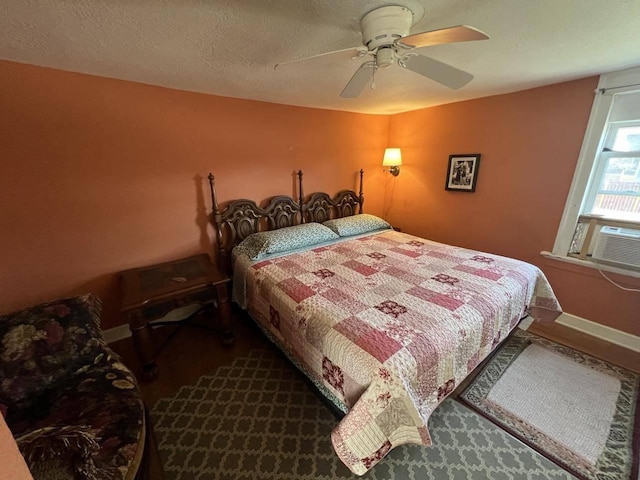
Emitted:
<point x="99" y="175"/>
<point x="529" y="141"/>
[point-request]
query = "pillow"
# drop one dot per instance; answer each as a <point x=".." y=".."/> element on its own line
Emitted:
<point x="46" y="343"/>
<point x="257" y="245"/>
<point x="356" y="224"/>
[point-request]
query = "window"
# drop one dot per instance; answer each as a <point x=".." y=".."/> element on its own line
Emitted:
<point x="605" y="190"/>
<point x="615" y="191"/>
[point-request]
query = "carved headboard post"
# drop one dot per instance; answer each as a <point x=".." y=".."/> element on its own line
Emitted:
<point x="217" y="218"/>
<point x="301" y="196"/>
<point x="360" y="194"/>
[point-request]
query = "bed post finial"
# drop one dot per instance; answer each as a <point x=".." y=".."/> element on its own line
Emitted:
<point x="361" y="195"/>
<point x="217" y="218"/>
<point x="301" y="196"/>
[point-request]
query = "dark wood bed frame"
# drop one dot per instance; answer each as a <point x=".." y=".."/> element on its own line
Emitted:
<point x="241" y="218"/>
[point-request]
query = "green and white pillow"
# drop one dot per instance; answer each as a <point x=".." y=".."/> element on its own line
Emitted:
<point x="260" y="244"/>
<point x="356" y="224"/>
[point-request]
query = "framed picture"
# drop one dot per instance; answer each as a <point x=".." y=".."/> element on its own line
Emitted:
<point x="462" y="173"/>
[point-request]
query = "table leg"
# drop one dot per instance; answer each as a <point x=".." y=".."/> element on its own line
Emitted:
<point x="224" y="312"/>
<point x="143" y="344"/>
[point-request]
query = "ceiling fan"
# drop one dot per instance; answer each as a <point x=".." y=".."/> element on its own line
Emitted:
<point x="385" y="35"/>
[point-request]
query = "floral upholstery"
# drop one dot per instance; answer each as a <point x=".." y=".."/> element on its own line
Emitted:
<point x="44" y="344"/>
<point x="85" y="394"/>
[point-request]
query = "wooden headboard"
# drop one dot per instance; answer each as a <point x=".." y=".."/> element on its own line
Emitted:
<point x="241" y="218"/>
<point x="320" y="207"/>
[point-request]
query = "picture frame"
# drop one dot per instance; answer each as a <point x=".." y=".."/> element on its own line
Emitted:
<point x="462" y="173"/>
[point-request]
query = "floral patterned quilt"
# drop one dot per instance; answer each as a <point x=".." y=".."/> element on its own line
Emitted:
<point x="390" y="324"/>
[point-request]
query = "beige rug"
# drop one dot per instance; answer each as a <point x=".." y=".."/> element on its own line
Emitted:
<point x="575" y="409"/>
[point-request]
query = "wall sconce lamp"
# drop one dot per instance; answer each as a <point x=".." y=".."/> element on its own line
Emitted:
<point x="393" y="160"/>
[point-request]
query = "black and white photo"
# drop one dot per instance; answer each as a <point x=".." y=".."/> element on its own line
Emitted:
<point x="462" y="173"/>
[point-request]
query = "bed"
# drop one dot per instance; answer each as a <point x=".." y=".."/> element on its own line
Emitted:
<point x="385" y="324"/>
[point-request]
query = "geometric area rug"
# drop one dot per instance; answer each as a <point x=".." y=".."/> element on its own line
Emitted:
<point x="581" y="412"/>
<point x="258" y="419"/>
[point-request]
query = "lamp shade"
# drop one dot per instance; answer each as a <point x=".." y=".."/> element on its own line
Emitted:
<point x="392" y="157"/>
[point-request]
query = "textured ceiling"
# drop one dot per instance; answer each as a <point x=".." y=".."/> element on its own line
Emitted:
<point x="229" y="47"/>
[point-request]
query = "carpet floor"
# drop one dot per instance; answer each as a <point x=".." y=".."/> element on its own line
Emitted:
<point x="575" y="409"/>
<point x="258" y="419"/>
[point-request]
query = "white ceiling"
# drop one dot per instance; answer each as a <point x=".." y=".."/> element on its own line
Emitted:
<point x="229" y="47"/>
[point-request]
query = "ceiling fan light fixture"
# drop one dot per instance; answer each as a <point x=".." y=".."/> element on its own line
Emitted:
<point x="385" y="57"/>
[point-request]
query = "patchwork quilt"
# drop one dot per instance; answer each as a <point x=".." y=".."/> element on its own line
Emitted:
<point x="390" y="324"/>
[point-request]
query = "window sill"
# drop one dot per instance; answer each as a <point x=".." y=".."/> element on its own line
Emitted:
<point x="589" y="264"/>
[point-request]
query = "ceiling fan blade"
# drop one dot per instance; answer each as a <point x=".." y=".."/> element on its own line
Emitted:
<point x="435" y="70"/>
<point x="363" y="75"/>
<point x="461" y="33"/>
<point x="347" y="53"/>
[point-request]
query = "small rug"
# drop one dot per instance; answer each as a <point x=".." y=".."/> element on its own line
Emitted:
<point x="579" y="411"/>
<point x="259" y="419"/>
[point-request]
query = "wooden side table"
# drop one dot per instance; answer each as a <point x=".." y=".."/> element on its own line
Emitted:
<point x="150" y="293"/>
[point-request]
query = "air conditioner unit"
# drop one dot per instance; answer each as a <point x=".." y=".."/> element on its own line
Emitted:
<point x="618" y="245"/>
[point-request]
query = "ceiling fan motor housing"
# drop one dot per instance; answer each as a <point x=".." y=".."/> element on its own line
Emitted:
<point x="385" y="25"/>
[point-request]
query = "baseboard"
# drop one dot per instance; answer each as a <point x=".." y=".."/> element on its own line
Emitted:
<point x="176" y="315"/>
<point x="525" y="323"/>
<point x="602" y="332"/>
<point x="116" y="333"/>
